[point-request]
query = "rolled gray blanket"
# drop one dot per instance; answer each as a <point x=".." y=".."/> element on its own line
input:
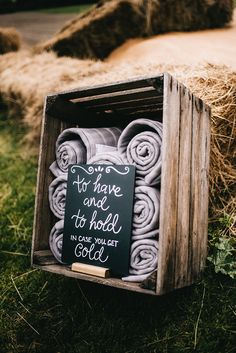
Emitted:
<point x="105" y="148"/>
<point x="112" y="157"/>
<point x="143" y="259"/>
<point x="57" y="196"/>
<point x="140" y="144"/>
<point x="77" y="145"/>
<point x="56" y="239"/>
<point x="146" y="213"/>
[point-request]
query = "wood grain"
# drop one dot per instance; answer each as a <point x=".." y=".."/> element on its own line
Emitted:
<point x="141" y="101"/>
<point x="204" y="192"/>
<point x="90" y="270"/>
<point x="139" y="82"/>
<point x="117" y="97"/>
<point x="43" y="219"/>
<point x="199" y="186"/>
<point x="44" y="257"/>
<point x="111" y="282"/>
<point x="184" y="178"/>
<point x="169" y="186"/>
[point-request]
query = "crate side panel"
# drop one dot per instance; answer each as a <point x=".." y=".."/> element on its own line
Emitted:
<point x="43" y="219"/>
<point x="199" y="187"/>
<point x="169" y="186"/>
<point x="183" y="235"/>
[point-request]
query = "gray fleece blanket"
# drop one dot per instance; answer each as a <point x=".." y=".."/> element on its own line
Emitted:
<point x="56" y="239"/>
<point x="146" y="213"/>
<point x="140" y="144"/>
<point x="76" y="145"/>
<point x="143" y="259"/>
<point x="107" y="157"/>
<point x="145" y="229"/>
<point x="57" y="196"/>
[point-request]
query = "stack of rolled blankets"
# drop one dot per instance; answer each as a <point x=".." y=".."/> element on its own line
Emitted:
<point x="138" y="144"/>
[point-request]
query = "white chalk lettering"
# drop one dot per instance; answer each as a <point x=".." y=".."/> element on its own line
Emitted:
<point x="100" y="241"/>
<point x="81" y="184"/>
<point x="106" y="189"/>
<point x="91" y="201"/>
<point x="90" y="253"/>
<point x="85" y="239"/>
<point x="112" y="242"/>
<point x="73" y="237"/>
<point x="80" y="221"/>
<point x="109" y="225"/>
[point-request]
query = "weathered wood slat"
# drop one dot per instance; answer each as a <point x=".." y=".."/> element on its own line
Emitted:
<point x="169" y="186"/>
<point x="200" y="167"/>
<point x="145" y="109"/>
<point x="44" y="257"/>
<point x="43" y="219"/>
<point x="195" y="196"/>
<point x="111" y="282"/>
<point x="205" y="159"/>
<point x="156" y="82"/>
<point x="184" y="178"/>
<point x="199" y="187"/>
<point x="132" y="103"/>
<point x="117" y="97"/>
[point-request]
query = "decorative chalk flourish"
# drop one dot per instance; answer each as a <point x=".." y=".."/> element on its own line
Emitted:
<point x="90" y="170"/>
<point x="126" y="170"/>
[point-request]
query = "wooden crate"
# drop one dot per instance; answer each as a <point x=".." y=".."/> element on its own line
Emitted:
<point x="184" y="181"/>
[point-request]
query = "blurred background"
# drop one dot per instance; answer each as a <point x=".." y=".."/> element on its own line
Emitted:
<point x="7" y="6"/>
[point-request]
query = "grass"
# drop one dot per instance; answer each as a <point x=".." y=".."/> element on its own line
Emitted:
<point x="67" y="9"/>
<point x="46" y="313"/>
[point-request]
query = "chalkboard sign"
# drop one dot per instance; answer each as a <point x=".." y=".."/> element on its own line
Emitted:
<point x="98" y="216"/>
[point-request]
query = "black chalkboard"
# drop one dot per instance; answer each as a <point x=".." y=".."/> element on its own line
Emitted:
<point x="98" y="216"/>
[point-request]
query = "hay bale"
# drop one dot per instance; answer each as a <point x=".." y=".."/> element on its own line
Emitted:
<point x="10" y="40"/>
<point x="38" y="75"/>
<point x="98" y="32"/>
<point x="183" y="15"/>
<point x="108" y="24"/>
